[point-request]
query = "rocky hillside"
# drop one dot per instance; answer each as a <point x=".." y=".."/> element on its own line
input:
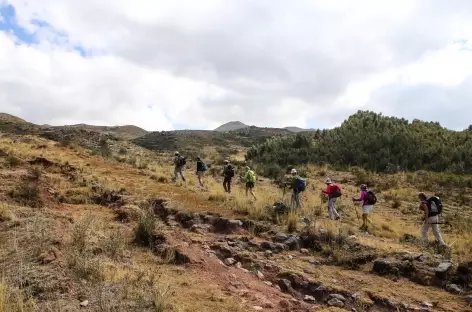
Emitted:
<point x="198" y="139"/>
<point x="127" y="132"/>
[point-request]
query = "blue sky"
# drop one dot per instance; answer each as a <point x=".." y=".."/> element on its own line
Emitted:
<point x="8" y="24"/>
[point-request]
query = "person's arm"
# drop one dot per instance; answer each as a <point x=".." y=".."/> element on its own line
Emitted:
<point x="326" y="191"/>
<point x="361" y="198"/>
<point x="425" y="211"/>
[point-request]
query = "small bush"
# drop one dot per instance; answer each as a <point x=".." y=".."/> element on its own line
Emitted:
<point x="6" y="214"/>
<point x="115" y="244"/>
<point x="85" y="266"/>
<point x="292" y="222"/>
<point x="81" y="234"/>
<point x="217" y="198"/>
<point x="35" y="173"/>
<point x="123" y="151"/>
<point x="396" y="203"/>
<point x="146" y="228"/>
<point x="161" y="300"/>
<point x="12" y="161"/>
<point x="27" y="194"/>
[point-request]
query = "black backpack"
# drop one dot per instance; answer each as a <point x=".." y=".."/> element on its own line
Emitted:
<point x="435" y="206"/>
<point x="182" y="161"/>
<point x="230" y="171"/>
<point x="371" y="198"/>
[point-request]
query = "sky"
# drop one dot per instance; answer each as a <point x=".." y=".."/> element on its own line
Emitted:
<point x="165" y="65"/>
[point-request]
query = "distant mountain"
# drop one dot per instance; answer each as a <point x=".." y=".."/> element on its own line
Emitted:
<point x="297" y="129"/>
<point x="230" y="126"/>
<point x="237" y="125"/>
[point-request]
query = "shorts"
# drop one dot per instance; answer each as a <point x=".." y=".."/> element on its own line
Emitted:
<point x="367" y="209"/>
<point x="200" y="173"/>
<point x="249" y="184"/>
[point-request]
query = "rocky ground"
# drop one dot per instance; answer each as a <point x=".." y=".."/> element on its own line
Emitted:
<point x="80" y="233"/>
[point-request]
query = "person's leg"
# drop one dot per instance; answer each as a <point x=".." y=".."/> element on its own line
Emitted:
<point x="424" y="230"/>
<point x="224" y="184"/>
<point x="200" y="178"/>
<point x="229" y="185"/>
<point x="297" y="200"/>
<point x="181" y="174"/>
<point x="176" y="175"/>
<point x="436" y="231"/>
<point x="333" y="209"/>
<point x="252" y="192"/>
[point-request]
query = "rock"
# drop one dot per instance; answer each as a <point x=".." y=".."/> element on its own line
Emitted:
<point x="245" y="270"/>
<point x="257" y="308"/>
<point x="268" y="246"/>
<point x="84" y="303"/>
<point x="239" y="265"/>
<point x="427" y="304"/>
<point x="230" y="261"/>
<point x="351" y="237"/>
<point x="309" y="299"/>
<point x="268" y="283"/>
<point x="336" y="303"/>
<point x="235" y="223"/>
<point x="293" y="242"/>
<point x="281" y="237"/>
<point x="444" y="267"/>
<point x="290" y="257"/>
<point x="383" y="266"/>
<point x="453" y="288"/>
<point x="304" y="251"/>
<point x="337" y="296"/>
<point x="285" y="286"/>
<point x="260" y="275"/>
<point x="268" y="253"/>
<point x="468" y="300"/>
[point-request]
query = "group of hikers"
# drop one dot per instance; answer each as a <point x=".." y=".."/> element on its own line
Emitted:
<point x="431" y="207"/>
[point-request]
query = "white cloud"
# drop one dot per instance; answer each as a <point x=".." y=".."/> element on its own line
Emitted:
<point x="200" y="64"/>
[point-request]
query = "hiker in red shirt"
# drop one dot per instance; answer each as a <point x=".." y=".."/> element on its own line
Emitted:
<point x="333" y="191"/>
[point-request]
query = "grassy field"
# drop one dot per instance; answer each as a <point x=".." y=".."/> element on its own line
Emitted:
<point x="62" y="248"/>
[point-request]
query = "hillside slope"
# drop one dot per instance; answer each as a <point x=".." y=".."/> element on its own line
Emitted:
<point x="375" y="142"/>
<point x="232" y="125"/>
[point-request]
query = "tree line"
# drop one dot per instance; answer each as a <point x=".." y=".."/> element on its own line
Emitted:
<point x="374" y="142"/>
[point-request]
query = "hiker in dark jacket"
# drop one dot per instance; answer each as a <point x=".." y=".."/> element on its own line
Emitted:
<point x="228" y="174"/>
<point x="295" y="201"/>
<point x="430" y="219"/>
<point x="179" y="165"/>
<point x="330" y="189"/>
<point x="366" y="207"/>
<point x="201" y="168"/>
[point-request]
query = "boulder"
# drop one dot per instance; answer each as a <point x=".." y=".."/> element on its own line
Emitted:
<point x="336" y="303"/>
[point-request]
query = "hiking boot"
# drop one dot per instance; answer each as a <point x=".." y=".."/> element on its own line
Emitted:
<point x="338" y="218"/>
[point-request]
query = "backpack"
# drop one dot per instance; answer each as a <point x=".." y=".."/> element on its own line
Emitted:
<point x="299" y="184"/>
<point x="251" y="176"/>
<point x="371" y="198"/>
<point x="182" y="161"/>
<point x="435" y="206"/>
<point x="337" y="192"/>
<point x="230" y="171"/>
<point x="204" y="166"/>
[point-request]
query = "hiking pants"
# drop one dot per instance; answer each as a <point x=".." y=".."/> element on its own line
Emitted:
<point x="432" y="222"/>
<point x="227" y="184"/>
<point x="332" y="213"/>
<point x="177" y="171"/>
<point x="295" y="202"/>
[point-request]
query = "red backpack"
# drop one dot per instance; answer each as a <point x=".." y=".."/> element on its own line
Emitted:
<point x="337" y="192"/>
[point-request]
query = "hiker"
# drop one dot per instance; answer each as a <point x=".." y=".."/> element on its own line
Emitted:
<point x="297" y="184"/>
<point x="250" y="181"/>
<point x="432" y="208"/>
<point x="201" y="168"/>
<point x="368" y="200"/>
<point x="333" y="191"/>
<point x="179" y="163"/>
<point x="228" y="174"/>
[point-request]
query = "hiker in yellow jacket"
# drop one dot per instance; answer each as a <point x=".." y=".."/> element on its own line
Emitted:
<point x="250" y="181"/>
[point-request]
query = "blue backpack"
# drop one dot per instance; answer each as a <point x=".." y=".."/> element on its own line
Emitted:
<point x="300" y="184"/>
